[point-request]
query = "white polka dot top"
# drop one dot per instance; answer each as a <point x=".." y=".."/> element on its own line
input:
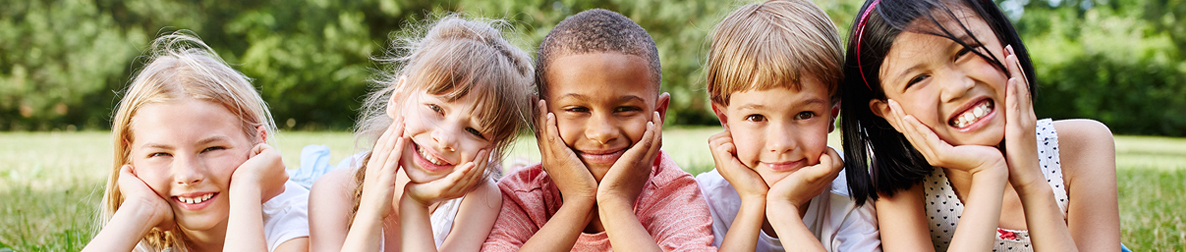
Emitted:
<point x="944" y="208"/>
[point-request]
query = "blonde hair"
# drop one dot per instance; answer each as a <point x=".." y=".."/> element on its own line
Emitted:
<point x="455" y="58"/>
<point x="180" y="66"/>
<point x="773" y="44"/>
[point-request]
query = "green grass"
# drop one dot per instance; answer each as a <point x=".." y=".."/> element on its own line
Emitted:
<point x="51" y="183"/>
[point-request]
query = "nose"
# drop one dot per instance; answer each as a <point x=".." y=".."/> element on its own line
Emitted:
<point x="446" y="136"/>
<point x="601" y="129"/>
<point x="188" y="171"/>
<point x="955" y="85"/>
<point x="781" y="139"/>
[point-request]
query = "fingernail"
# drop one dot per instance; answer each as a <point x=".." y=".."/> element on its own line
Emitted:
<point x="1010" y="48"/>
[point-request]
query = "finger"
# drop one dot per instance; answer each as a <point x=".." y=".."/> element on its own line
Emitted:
<point x="479" y="166"/>
<point x="657" y="134"/>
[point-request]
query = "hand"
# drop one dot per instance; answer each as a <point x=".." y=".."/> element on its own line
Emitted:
<point x="378" y="189"/>
<point x="801" y="186"/>
<point x="571" y="176"/>
<point x="135" y="190"/>
<point x="264" y="168"/>
<point x="626" y="178"/>
<point x="456" y="184"/>
<point x="724" y="155"/>
<point x="1021" y="152"/>
<point x="939" y="153"/>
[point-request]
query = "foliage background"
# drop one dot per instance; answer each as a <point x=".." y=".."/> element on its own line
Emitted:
<point x="62" y="62"/>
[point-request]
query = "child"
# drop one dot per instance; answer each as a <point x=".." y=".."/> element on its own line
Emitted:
<point x="775" y="184"/>
<point x="459" y="99"/>
<point x="940" y="129"/>
<point x="603" y="183"/>
<point x="192" y="164"/>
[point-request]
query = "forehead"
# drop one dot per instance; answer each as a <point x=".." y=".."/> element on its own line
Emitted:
<point x="923" y="39"/>
<point x="185" y="118"/>
<point x="600" y="74"/>
<point x="811" y="93"/>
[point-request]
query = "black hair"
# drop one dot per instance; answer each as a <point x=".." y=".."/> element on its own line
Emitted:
<point x="878" y="159"/>
<point x="596" y="31"/>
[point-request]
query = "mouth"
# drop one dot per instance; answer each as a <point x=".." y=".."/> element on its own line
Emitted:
<point x="429" y="160"/>
<point x="194" y="201"/>
<point x="787" y="165"/>
<point x="608" y="156"/>
<point x="973" y="114"/>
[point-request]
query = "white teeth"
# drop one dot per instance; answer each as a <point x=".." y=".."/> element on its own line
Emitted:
<point x="199" y="199"/>
<point x="963" y="120"/>
<point x="430" y="158"/>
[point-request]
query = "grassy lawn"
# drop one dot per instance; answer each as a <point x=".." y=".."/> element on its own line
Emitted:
<point x="51" y="183"/>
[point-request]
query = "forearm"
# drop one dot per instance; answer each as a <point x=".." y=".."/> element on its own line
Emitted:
<point x="793" y="234"/>
<point x="245" y="231"/>
<point x="561" y="231"/>
<point x="982" y="212"/>
<point x="1044" y="219"/>
<point x="622" y="226"/>
<point x="366" y="232"/>
<point x="743" y="233"/>
<point x="415" y="226"/>
<point x="126" y="228"/>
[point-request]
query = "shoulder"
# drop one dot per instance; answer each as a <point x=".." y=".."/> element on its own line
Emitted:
<point x="1085" y="143"/>
<point x="334" y="181"/>
<point x="293" y="196"/>
<point x="528" y="178"/>
<point x="668" y="174"/>
<point x="486" y="193"/>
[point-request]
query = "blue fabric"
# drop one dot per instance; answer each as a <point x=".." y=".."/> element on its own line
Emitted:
<point x="315" y="162"/>
<point x="1124" y="248"/>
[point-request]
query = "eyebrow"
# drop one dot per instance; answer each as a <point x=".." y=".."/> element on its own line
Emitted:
<point x="581" y="97"/>
<point x="204" y="141"/>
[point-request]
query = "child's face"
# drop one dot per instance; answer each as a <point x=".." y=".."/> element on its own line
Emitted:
<point x="187" y="150"/>
<point x="443" y="135"/>
<point x="602" y="103"/>
<point x="951" y="90"/>
<point x="780" y="130"/>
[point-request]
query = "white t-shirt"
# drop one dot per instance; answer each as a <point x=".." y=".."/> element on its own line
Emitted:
<point x="286" y="216"/>
<point x="832" y="217"/>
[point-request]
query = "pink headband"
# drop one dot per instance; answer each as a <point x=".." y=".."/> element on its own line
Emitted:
<point x="861" y="33"/>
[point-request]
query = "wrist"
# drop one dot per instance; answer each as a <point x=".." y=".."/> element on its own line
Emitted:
<point x="776" y="211"/>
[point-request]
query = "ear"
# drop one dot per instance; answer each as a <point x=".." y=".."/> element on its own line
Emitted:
<point x="262" y="134"/>
<point x="832" y="120"/>
<point x="396" y="96"/>
<point x="661" y="105"/>
<point x="881" y="108"/>
<point x="719" y="110"/>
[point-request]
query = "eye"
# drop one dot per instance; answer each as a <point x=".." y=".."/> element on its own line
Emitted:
<point x="755" y="118"/>
<point x="577" y="109"/>
<point x="804" y="115"/>
<point x="963" y="52"/>
<point x="627" y="109"/>
<point x="213" y="148"/>
<point x="475" y="132"/>
<point x="434" y="108"/>
<point x="159" y="154"/>
<point x="916" y="80"/>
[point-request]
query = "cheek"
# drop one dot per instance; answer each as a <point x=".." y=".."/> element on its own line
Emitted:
<point x="155" y="174"/>
<point x="749" y="145"/>
<point x="634" y="128"/>
<point x="570" y="130"/>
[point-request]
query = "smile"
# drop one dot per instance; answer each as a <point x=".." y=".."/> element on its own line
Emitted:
<point x="195" y="201"/>
<point x="431" y="158"/>
<point x="972" y="115"/>
<point x="601" y="156"/>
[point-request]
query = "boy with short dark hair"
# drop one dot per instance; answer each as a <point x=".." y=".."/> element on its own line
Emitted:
<point x="603" y="182"/>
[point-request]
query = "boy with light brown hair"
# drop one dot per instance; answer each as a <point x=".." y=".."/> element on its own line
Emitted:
<point x="773" y="74"/>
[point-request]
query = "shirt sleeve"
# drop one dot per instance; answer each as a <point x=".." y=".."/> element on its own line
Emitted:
<point x="514" y="226"/>
<point x="286" y="216"/>
<point x="858" y="231"/>
<point x="680" y="219"/>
